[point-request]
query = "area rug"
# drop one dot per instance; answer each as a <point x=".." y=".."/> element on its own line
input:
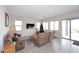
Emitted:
<point x="76" y="43"/>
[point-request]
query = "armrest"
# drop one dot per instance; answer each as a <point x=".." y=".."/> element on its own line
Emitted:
<point x="34" y="36"/>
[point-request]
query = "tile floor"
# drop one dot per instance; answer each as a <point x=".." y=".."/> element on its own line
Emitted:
<point x="55" y="46"/>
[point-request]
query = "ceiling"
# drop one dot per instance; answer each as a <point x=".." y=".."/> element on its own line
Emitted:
<point x="40" y="11"/>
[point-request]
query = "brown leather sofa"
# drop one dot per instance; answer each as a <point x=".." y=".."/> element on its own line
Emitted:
<point x="42" y="38"/>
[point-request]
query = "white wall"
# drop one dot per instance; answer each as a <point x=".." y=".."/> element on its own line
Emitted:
<point x="25" y="20"/>
<point x="3" y="29"/>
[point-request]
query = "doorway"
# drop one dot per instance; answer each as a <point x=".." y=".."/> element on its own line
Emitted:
<point x="70" y="29"/>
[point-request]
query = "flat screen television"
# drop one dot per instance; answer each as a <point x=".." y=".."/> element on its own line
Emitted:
<point x="28" y="26"/>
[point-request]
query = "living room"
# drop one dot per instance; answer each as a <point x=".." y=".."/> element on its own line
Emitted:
<point x="28" y="21"/>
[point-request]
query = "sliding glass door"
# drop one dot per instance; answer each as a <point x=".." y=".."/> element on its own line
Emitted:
<point x="70" y="29"/>
<point x="75" y="29"/>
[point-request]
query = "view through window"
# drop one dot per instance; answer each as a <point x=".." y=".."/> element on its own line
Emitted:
<point x="18" y="25"/>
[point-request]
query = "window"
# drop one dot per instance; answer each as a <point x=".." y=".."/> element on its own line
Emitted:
<point x="45" y="25"/>
<point x="52" y="25"/>
<point x="38" y="25"/>
<point x="18" y="25"/>
<point x="65" y="28"/>
<point x="56" y="25"/>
